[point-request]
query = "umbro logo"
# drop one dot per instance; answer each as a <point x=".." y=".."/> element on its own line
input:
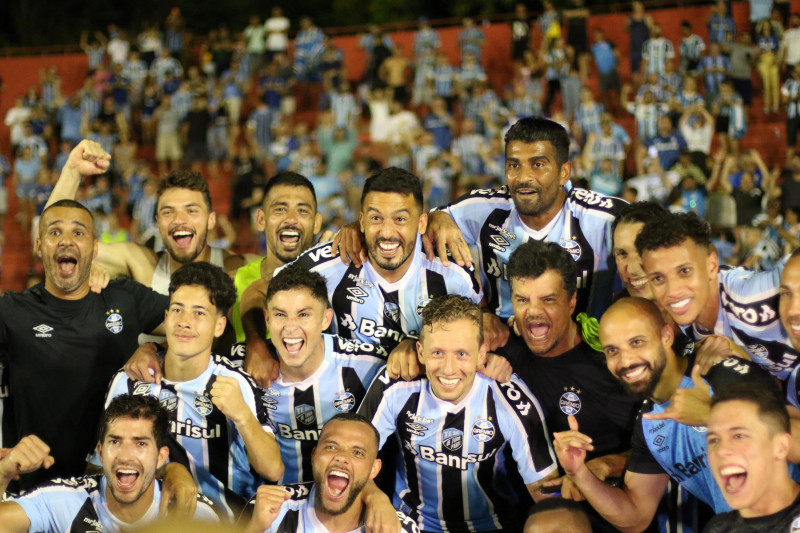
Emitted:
<point x="358" y="292"/>
<point x="43" y="330"/>
<point x="500" y="241"/>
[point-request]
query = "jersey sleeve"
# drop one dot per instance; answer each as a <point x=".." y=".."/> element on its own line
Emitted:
<point x="734" y="370"/>
<point x="469" y="212"/>
<point x="407" y="525"/>
<point x="641" y="460"/>
<point x="376" y="408"/>
<point x="523" y="425"/>
<point x="53" y="507"/>
<point x="150" y="305"/>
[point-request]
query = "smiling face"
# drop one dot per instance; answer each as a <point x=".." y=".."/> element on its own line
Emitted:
<point x="789" y="303"/>
<point x="683" y="280"/>
<point x="390" y="222"/>
<point x="543" y="312"/>
<point x="184" y="220"/>
<point x="535" y="178"/>
<point x="451" y="353"/>
<point x="296" y="321"/>
<point x="130" y="458"/>
<point x="745" y="458"/>
<point x="192" y="322"/>
<point x="635" y="348"/>
<point x="66" y="246"/>
<point x="289" y="220"/>
<point x="629" y="264"/>
<point x="343" y="461"/>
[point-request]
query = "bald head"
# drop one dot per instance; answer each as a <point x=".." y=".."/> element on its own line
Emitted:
<point x="627" y="308"/>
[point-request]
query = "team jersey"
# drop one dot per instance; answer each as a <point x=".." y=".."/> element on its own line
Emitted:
<point x="787" y="520"/>
<point x="297" y="514"/>
<point x="748" y="314"/>
<point x="78" y="505"/>
<point x="680" y="451"/>
<point x="489" y="220"/>
<point x="208" y="443"/>
<point x="450" y="474"/>
<point x="369" y="309"/>
<point x="300" y="409"/>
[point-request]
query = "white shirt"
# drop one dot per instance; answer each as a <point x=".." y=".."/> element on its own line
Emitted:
<point x="277" y="33"/>
<point x="791" y="44"/>
<point x="698" y="139"/>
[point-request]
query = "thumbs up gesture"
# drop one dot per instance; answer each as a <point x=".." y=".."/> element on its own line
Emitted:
<point x="688" y="406"/>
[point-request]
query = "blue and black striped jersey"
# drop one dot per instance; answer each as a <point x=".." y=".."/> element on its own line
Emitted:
<point x="489" y="220"/>
<point x="205" y="440"/>
<point x="369" y="309"/>
<point x="451" y="473"/>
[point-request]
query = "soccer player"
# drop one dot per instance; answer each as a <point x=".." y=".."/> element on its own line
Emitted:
<point x="289" y="218"/>
<point x="63" y="342"/>
<point x="320" y="374"/>
<point x="749" y="438"/>
<point x="789" y="311"/>
<point x="453" y="427"/>
<point x="626" y="228"/>
<point x="343" y="463"/>
<point x="134" y="433"/>
<point x="184" y="217"/>
<point x="669" y="438"/>
<point x="218" y="417"/>
<point x="538" y="203"/>
<point x="382" y="300"/>
<point x="554" y="355"/>
<point x="684" y="274"/>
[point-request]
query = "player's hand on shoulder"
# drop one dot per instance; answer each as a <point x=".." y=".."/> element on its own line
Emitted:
<point x="30" y="453"/>
<point x="497" y="368"/>
<point x="712" y="349"/>
<point x="380" y="516"/>
<point x="495" y="333"/>
<point x="98" y="278"/>
<point x="144" y="364"/>
<point x="259" y="363"/>
<point x="403" y="361"/>
<point x="268" y="502"/>
<point x="348" y="244"/>
<point x="227" y="396"/>
<point x="443" y="234"/>
<point x="178" y="492"/>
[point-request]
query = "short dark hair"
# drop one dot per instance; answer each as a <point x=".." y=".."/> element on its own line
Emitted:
<point x="220" y="287"/>
<point x="556" y="504"/>
<point x="534" y="258"/>
<point x="137" y="407"/>
<point x="639" y="212"/>
<point x="290" y="179"/>
<point x="533" y="129"/>
<point x="673" y="230"/>
<point x="296" y="277"/>
<point x="449" y="308"/>
<point x="185" y="179"/>
<point x="771" y="407"/>
<point x="71" y="204"/>
<point x="396" y="180"/>
<point x="353" y="416"/>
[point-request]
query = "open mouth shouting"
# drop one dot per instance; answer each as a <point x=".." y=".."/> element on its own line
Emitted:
<point x="538" y="329"/>
<point x="182" y="237"/>
<point x="337" y="482"/>
<point x="293" y="345"/>
<point x="126" y="477"/>
<point x="732" y="478"/>
<point x="67" y="264"/>
<point x="289" y="238"/>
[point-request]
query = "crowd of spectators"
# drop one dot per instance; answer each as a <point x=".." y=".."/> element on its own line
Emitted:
<point x="236" y="102"/>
